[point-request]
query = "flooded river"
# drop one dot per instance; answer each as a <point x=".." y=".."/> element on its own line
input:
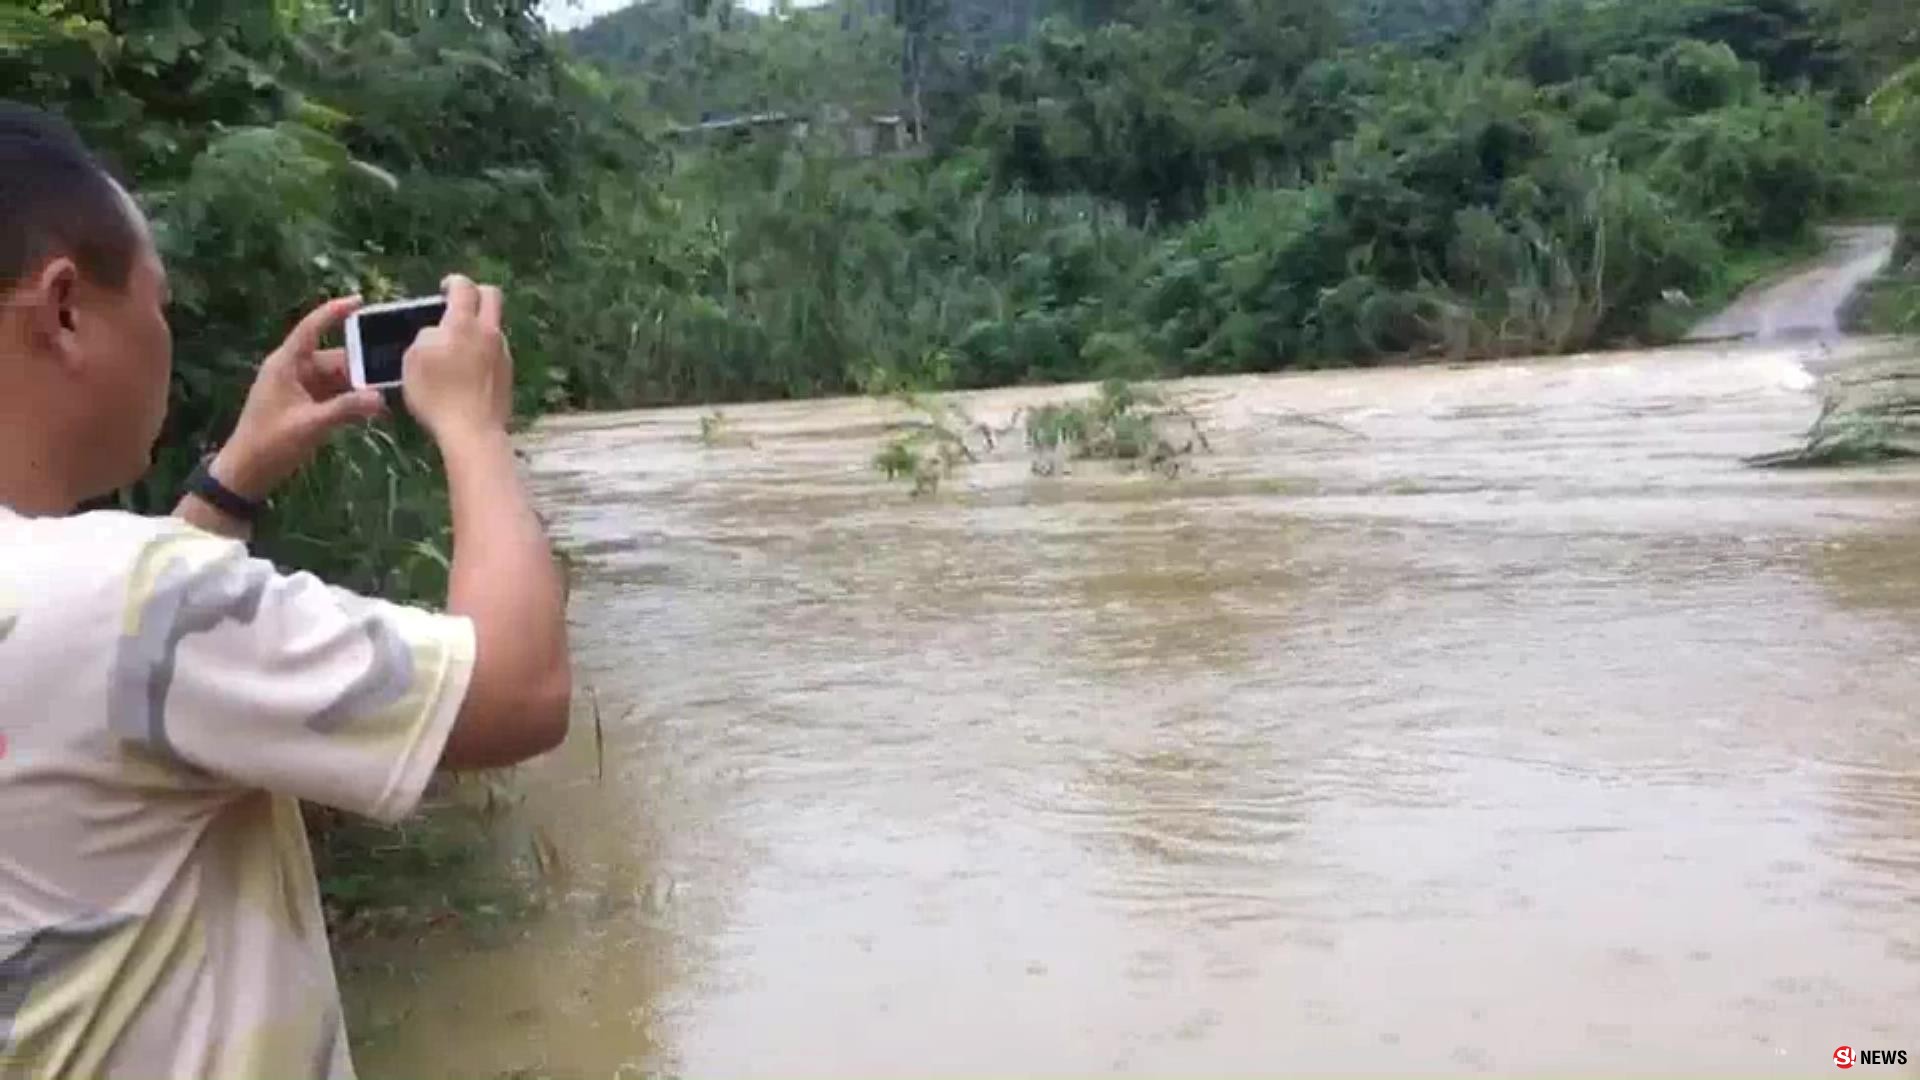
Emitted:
<point x="1439" y="720"/>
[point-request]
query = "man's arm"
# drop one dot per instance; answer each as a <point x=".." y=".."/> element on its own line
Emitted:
<point x="506" y="581"/>
<point x="458" y="379"/>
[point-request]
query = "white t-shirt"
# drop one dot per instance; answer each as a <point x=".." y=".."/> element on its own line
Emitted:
<point x="164" y="701"/>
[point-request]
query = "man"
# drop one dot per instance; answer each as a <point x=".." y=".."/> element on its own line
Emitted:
<point x="165" y="698"/>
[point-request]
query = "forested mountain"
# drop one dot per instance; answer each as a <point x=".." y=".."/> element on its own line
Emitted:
<point x="723" y="60"/>
<point x="1273" y="182"/>
<point x="710" y="50"/>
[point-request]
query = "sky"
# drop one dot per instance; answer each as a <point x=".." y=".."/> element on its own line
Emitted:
<point x="567" y="14"/>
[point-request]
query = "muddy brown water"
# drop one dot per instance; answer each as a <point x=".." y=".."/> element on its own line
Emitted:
<point x="1498" y="719"/>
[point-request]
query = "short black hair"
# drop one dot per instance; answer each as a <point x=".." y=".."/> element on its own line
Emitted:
<point x="57" y="199"/>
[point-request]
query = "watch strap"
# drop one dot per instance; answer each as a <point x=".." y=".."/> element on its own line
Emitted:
<point x="223" y="498"/>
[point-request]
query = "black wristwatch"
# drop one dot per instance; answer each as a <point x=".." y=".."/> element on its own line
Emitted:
<point x="223" y="498"/>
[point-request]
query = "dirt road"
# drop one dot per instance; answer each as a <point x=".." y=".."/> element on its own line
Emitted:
<point x="1807" y="303"/>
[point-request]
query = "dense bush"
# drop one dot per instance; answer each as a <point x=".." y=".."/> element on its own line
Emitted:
<point x="1758" y="172"/>
<point x="1892" y="305"/>
<point x="1239" y="289"/>
<point x="762" y="273"/>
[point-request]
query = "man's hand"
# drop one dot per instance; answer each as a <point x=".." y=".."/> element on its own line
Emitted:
<point x="458" y="376"/>
<point x="299" y="398"/>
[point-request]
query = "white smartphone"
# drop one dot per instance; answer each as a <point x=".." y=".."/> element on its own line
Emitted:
<point x="379" y="335"/>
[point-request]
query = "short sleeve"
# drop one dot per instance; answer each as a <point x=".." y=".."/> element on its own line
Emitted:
<point x="279" y="682"/>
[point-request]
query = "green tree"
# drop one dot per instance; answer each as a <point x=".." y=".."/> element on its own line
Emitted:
<point x="290" y="151"/>
<point x="1159" y="108"/>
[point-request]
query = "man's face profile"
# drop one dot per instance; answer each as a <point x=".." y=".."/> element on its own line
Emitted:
<point x="126" y="358"/>
<point x="87" y="351"/>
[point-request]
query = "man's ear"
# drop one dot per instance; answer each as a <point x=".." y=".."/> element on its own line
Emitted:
<point x="53" y="296"/>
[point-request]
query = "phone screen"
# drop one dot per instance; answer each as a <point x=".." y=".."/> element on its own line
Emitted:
<point x="385" y="336"/>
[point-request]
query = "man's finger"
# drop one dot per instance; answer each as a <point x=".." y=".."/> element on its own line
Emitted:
<point x="303" y="365"/>
<point x="463" y="298"/>
<point x="307" y="335"/>
<point x="491" y="303"/>
<point x="349" y="407"/>
<point x="325" y="374"/>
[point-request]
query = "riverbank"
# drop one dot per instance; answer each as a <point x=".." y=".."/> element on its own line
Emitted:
<point x="1869" y="391"/>
<point x="1890" y="304"/>
<point x="1870" y="408"/>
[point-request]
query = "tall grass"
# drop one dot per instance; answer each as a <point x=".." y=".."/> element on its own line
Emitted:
<point x="767" y="273"/>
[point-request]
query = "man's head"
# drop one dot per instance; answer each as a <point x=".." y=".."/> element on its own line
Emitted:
<point x="85" y="352"/>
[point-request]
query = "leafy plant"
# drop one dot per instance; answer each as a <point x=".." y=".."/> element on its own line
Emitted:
<point x="1123" y="423"/>
<point x="717" y="430"/>
<point x="931" y="446"/>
